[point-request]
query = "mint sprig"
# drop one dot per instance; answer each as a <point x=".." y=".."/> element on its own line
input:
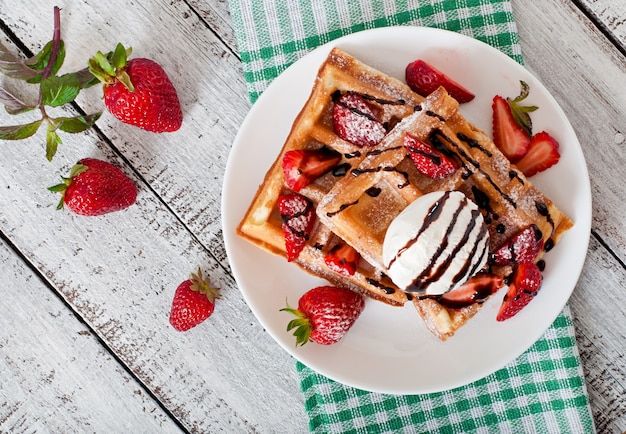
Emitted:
<point x="521" y="112"/>
<point x="54" y="91"/>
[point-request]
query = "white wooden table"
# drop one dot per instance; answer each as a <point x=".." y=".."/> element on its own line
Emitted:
<point x="85" y="344"/>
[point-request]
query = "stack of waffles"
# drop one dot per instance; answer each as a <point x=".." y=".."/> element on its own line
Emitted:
<point x="371" y="185"/>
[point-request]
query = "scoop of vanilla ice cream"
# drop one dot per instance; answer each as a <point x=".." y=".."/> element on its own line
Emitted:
<point x="436" y="243"/>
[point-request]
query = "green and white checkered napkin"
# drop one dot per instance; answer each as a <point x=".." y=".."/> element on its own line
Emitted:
<point x="543" y="390"/>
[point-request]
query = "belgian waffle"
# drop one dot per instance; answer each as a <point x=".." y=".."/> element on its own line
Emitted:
<point x="312" y="129"/>
<point x="357" y="201"/>
<point x="507" y="199"/>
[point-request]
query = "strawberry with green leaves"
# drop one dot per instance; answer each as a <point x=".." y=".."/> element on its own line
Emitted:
<point x="137" y="91"/>
<point x="324" y="314"/>
<point x="513" y="135"/>
<point x="95" y="187"/>
<point x="193" y="302"/>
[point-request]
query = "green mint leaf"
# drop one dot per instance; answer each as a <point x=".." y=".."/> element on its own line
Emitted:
<point x="18" y="132"/>
<point x="14" y="67"/>
<point x="77" y="124"/>
<point x="13" y="104"/>
<point x="521" y="112"/>
<point x="56" y="91"/>
<point x="53" y="140"/>
<point x="40" y="61"/>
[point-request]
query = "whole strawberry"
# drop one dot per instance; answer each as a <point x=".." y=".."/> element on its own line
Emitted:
<point x="95" y="187"/>
<point x="194" y="301"/>
<point x="137" y="91"/>
<point x="325" y="314"/>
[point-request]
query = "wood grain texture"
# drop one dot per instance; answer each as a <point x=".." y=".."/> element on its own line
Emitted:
<point x="117" y="273"/>
<point x="582" y="74"/>
<point x="610" y="15"/>
<point x="55" y="371"/>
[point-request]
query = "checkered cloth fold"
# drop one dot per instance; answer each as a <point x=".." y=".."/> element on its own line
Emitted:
<point x="541" y="391"/>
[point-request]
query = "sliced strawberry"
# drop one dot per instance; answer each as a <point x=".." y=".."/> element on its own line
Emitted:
<point x="355" y="121"/>
<point x="302" y="167"/>
<point x="298" y="217"/>
<point x="508" y="135"/>
<point x="425" y="79"/>
<point x="342" y="259"/>
<point x="542" y="154"/>
<point x="476" y="290"/>
<point x="521" y="248"/>
<point x="525" y="282"/>
<point x="428" y="160"/>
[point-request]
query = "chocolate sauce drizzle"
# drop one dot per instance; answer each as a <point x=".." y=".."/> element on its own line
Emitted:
<point x="357" y="172"/>
<point x="341" y="208"/>
<point x="435" y="115"/>
<point x="473" y="143"/>
<point x="377" y="284"/>
<point x="431" y="273"/>
<point x="514" y="174"/>
<point x="341" y="170"/>
<point x="432" y="215"/>
<point x="465" y="159"/>
<point x="373" y="191"/>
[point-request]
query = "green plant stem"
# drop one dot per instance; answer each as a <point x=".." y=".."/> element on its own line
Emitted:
<point x="56" y="43"/>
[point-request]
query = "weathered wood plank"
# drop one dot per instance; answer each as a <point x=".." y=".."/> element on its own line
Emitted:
<point x="581" y="69"/>
<point x="611" y="15"/>
<point x="55" y="372"/>
<point x="599" y="295"/>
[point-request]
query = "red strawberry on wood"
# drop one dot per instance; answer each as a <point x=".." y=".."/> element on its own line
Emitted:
<point x="137" y="91"/>
<point x="95" y="187"/>
<point x="324" y="314"/>
<point x="193" y="302"/>
<point x="424" y="79"/>
<point x="298" y="218"/>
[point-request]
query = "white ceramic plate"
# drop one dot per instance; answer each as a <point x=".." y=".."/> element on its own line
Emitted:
<point x="389" y="349"/>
